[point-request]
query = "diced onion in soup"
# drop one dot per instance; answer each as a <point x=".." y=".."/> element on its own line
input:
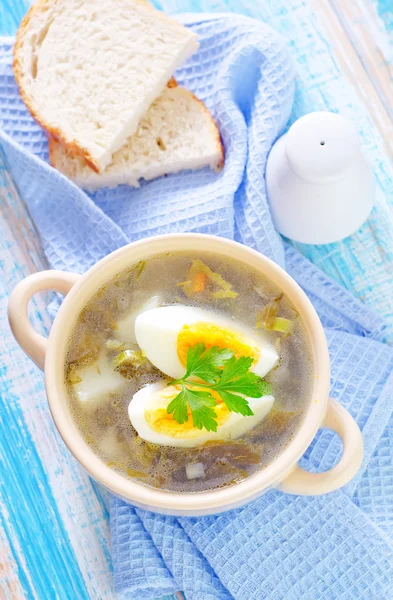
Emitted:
<point x="114" y="344"/>
<point x="195" y="471"/>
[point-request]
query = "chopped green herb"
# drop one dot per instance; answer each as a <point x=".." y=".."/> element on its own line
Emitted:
<point x="114" y="344"/>
<point x="141" y="267"/>
<point x="129" y="362"/>
<point x="282" y="325"/>
<point x="227" y="293"/>
<point x="265" y="318"/>
<point x="73" y="378"/>
<point x="224" y="374"/>
<point x="133" y="473"/>
<point x="268" y="319"/>
<point x="129" y="356"/>
<point x="145" y="452"/>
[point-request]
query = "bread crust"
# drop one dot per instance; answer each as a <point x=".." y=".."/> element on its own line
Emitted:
<point x="71" y="144"/>
<point x="217" y="166"/>
<point x="217" y="134"/>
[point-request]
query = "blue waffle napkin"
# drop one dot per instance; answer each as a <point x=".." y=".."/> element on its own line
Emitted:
<point x="279" y="547"/>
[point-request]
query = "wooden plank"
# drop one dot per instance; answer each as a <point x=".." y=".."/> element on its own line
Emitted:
<point x="350" y="28"/>
<point x="11" y="14"/>
<point x="10" y="582"/>
<point x="59" y="501"/>
<point x="371" y="37"/>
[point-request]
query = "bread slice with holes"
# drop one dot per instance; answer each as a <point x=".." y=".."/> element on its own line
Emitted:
<point x="177" y="132"/>
<point x="88" y="70"/>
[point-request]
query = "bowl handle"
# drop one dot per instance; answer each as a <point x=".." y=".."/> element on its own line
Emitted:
<point x="30" y="341"/>
<point x="304" y="483"/>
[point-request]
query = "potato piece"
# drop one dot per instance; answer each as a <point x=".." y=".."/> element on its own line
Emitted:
<point x="125" y="331"/>
<point x="98" y="380"/>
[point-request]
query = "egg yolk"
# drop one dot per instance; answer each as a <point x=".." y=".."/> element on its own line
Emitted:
<point x="213" y="335"/>
<point x="162" y="422"/>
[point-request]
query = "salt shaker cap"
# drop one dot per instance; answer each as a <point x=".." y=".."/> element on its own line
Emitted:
<point x="322" y="145"/>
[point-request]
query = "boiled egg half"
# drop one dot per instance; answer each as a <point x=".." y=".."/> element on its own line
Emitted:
<point x="148" y="414"/>
<point x="165" y="334"/>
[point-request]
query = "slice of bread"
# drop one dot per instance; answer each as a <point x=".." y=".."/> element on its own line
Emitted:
<point x="177" y="132"/>
<point x="88" y="70"/>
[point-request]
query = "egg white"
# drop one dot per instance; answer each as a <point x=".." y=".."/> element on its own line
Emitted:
<point x="156" y="332"/>
<point x="234" y="427"/>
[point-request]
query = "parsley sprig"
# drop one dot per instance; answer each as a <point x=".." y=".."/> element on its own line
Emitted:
<point x="221" y="372"/>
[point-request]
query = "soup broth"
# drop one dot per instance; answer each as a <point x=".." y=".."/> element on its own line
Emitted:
<point x="104" y="369"/>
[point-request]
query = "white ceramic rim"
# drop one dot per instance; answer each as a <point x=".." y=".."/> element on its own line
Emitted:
<point x="208" y="502"/>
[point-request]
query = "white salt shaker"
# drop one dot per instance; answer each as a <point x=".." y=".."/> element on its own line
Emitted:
<point x="320" y="186"/>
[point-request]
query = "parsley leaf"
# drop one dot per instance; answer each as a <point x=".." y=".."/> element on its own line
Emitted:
<point x="229" y="377"/>
<point x="206" y="364"/>
<point x="202" y="412"/>
<point x="236" y="378"/>
<point x="200" y="404"/>
<point x="236" y="403"/>
<point x="178" y="406"/>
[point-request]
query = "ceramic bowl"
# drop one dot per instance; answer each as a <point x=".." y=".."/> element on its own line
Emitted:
<point x="283" y="472"/>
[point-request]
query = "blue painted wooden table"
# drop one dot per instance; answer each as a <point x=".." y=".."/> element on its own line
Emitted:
<point x="54" y="536"/>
